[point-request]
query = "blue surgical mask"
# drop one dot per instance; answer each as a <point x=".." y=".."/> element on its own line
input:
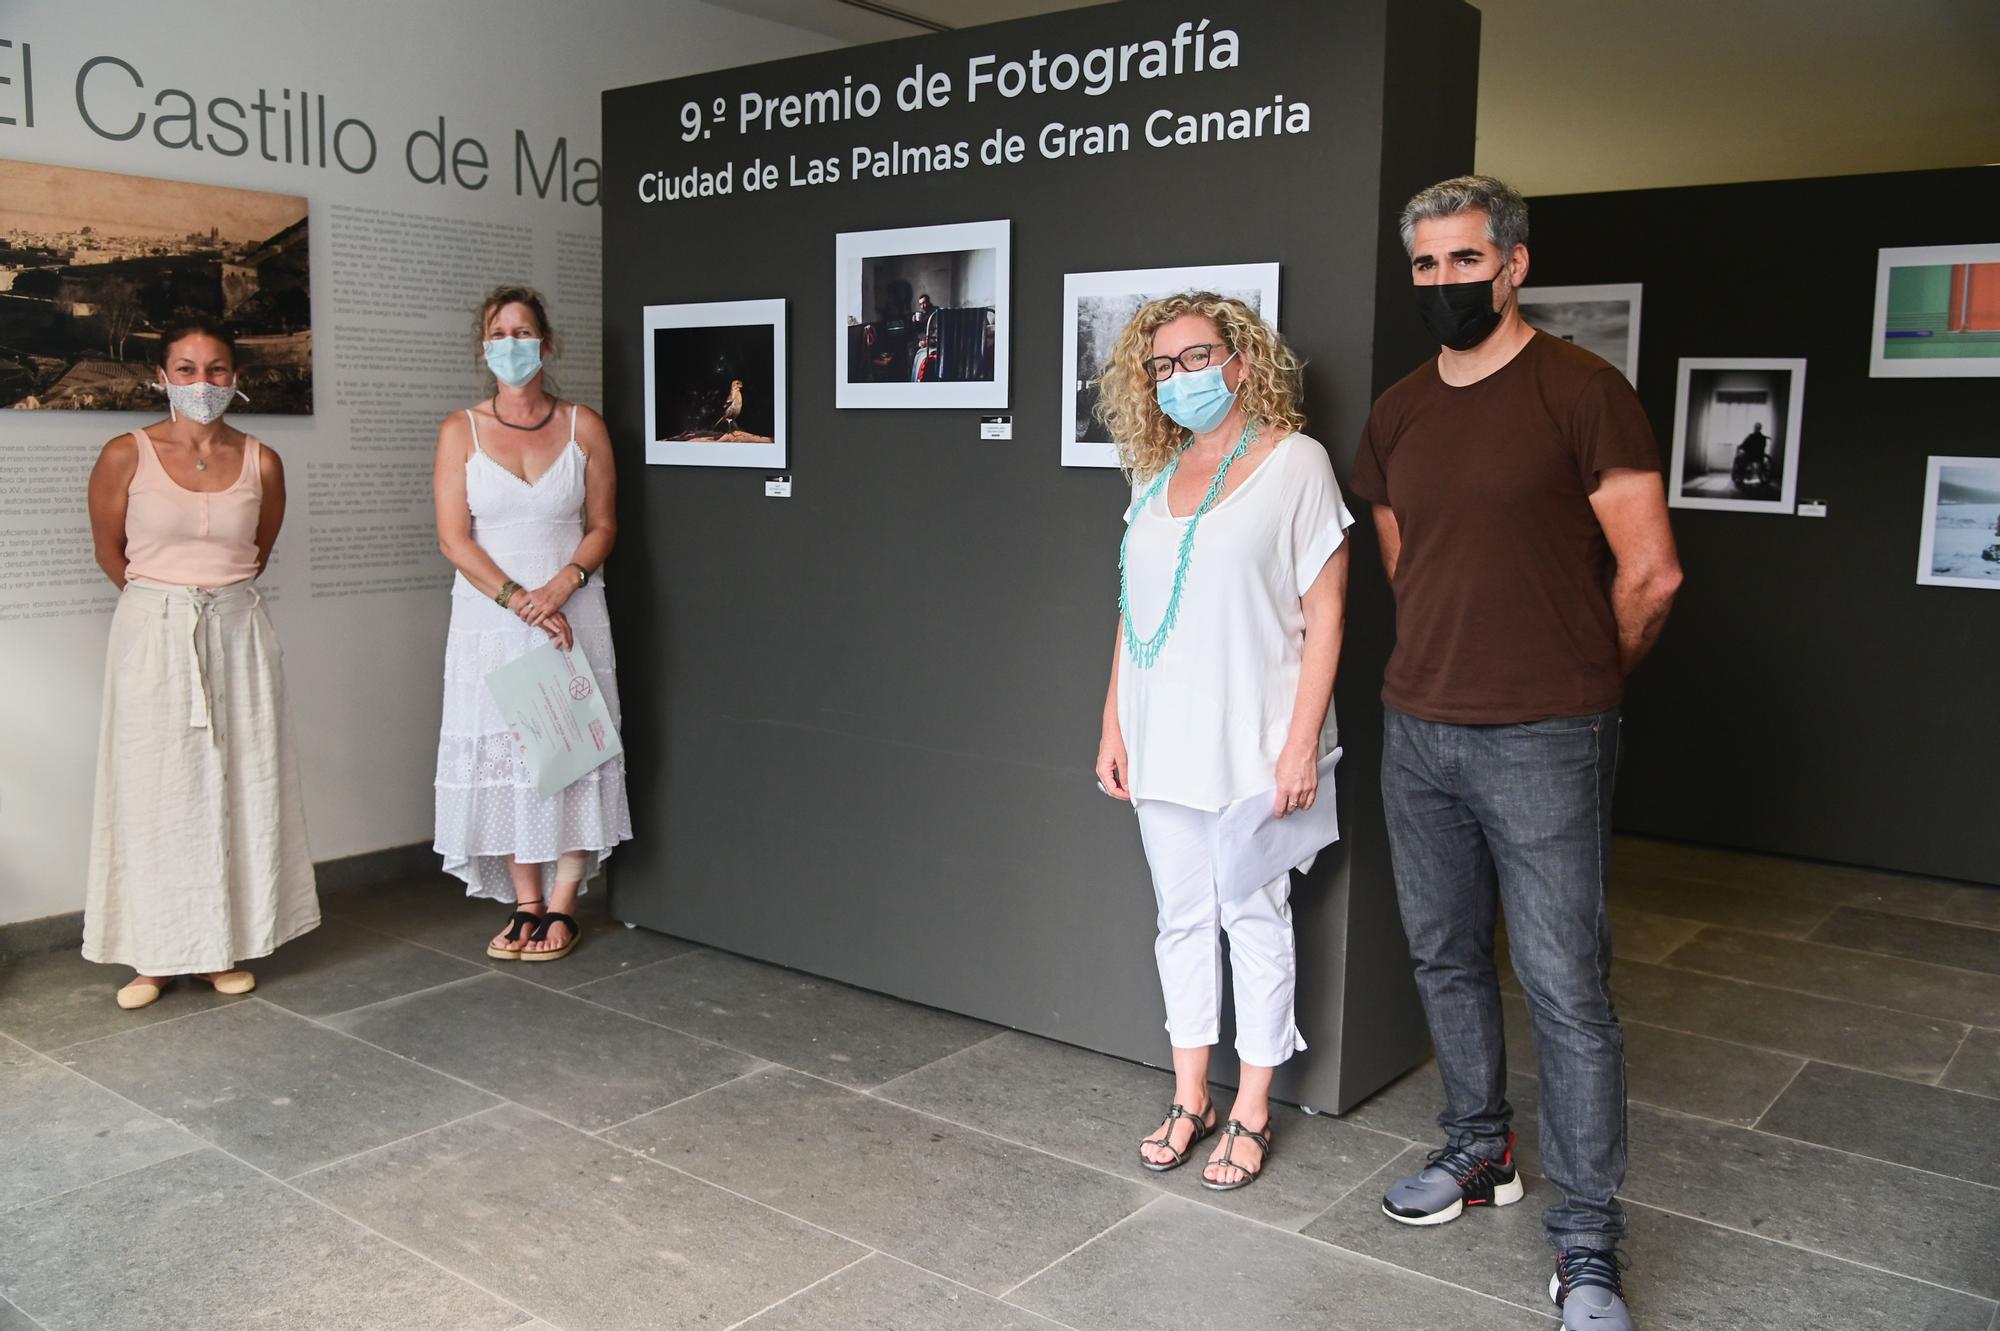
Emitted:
<point x="514" y="360"/>
<point x="1197" y="400"/>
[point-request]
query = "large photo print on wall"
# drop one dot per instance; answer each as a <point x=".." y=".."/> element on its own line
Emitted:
<point x="94" y="264"/>
<point x="1603" y="319"/>
<point x="1096" y="308"/>
<point x="923" y="316"/>
<point x="715" y="384"/>
<point x="1736" y="435"/>
<point x="1961" y="538"/>
<point x="1937" y="313"/>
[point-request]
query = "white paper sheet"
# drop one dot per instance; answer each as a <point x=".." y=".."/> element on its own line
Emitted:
<point x="552" y="706"/>
<point x="1253" y="845"/>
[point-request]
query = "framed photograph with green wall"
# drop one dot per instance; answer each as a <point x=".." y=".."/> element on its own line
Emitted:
<point x="1937" y="313"/>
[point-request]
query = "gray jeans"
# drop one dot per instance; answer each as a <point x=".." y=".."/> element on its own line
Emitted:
<point x="1519" y="816"/>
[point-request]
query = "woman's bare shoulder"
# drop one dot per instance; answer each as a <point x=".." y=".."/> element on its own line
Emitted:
<point x="456" y="420"/>
<point x="120" y="449"/>
<point x="455" y="433"/>
<point x="117" y="463"/>
<point x="591" y="432"/>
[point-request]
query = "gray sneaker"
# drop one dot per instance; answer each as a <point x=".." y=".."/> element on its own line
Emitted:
<point x="1587" y="1289"/>
<point x="1453" y="1180"/>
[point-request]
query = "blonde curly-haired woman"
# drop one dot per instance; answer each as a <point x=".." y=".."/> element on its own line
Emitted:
<point x="1231" y="596"/>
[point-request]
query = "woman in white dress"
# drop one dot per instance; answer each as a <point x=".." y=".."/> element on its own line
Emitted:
<point x="198" y="856"/>
<point x="525" y="489"/>
<point x="1231" y="597"/>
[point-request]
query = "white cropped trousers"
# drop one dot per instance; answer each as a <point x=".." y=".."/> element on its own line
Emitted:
<point x="1180" y="850"/>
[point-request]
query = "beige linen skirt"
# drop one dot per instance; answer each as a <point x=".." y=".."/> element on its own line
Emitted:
<point x="198" y="855"/>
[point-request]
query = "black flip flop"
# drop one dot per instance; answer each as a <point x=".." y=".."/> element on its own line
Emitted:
<point x="517" y="922"/>
<point x="542" y="931"/>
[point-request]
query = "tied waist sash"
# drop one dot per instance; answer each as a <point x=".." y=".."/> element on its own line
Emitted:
<point x="200" y="605"/>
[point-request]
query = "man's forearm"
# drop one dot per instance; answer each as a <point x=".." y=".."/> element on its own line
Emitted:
<point x="1641" y="603"/>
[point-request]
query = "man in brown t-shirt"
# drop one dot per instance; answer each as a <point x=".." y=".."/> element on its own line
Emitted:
<point x="1523" y="524"/>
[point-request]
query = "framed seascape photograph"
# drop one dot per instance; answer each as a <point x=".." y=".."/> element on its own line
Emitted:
<point x="1937" y="313"/>
<point x="1603" y="319"/>
<point x="923" y="316"/>
<point x="1736" y="435"/>
<point x="715" y="384"/>
<point x="93" y="264"/>
<point x="1096" y="308"/>
<point x="1960" y="546"/>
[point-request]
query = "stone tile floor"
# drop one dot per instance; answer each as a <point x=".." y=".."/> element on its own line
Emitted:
<point x="393" y="1132"/>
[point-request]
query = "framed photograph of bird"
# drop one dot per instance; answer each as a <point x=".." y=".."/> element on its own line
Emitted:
<point x="715" y="384"/>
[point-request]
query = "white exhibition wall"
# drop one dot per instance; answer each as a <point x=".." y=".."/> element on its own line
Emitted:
<point x="359" y="591"/>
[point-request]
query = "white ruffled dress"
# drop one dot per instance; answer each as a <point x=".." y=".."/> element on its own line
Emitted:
<point x="487" y="808"/>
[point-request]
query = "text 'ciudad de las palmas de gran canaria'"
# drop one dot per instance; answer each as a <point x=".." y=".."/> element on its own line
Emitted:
<point x="1194" y="47"/>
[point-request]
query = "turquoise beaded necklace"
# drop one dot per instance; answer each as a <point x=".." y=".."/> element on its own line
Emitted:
<point x="1145" y="653"/>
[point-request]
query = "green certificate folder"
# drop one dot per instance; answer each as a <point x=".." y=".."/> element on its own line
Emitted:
<point x="552" y="706"/>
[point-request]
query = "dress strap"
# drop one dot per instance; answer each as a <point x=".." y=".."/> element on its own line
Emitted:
<point x="251" y="477"/>
<point x="149" y="458"/>
<point x="473" y="421"/>
<point x="572" y="422"/>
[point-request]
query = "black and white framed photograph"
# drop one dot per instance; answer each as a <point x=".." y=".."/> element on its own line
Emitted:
<point x="715" y="384"/>
<point x="1937" y="313"/>
<point x="1960" y="546"/>
<point x="924" y="316"/>
<point x="93" y="264"/>
<point x="1096" y="308"/>
<point x="1736" y="435"/>
<point x="1603" y="319"/>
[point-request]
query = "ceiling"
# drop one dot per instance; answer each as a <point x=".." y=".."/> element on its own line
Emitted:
<point x="1579" y="96"/>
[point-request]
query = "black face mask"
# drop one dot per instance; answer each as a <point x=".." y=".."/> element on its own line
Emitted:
<point x="1460" y="315"/>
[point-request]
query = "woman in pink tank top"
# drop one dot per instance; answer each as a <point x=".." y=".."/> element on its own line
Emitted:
<point x="198" y="855"/>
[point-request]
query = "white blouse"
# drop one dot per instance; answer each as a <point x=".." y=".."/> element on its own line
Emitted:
<point x="1204" y="725"/>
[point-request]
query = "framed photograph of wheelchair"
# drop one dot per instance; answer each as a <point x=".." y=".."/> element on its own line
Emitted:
<point x="922" y="316"/>
<point x="1736" y="435"/>
<point x="1960" y="546"/>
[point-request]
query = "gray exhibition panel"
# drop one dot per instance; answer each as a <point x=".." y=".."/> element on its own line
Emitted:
<point x="1809" y="697"/>
<point x="861" y="720"/>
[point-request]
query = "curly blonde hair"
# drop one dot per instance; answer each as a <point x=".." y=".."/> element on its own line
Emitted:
<point x="1147" y="440"/>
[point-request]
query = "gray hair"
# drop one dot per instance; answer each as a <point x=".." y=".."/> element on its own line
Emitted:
<point x="1506" y="211"/>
